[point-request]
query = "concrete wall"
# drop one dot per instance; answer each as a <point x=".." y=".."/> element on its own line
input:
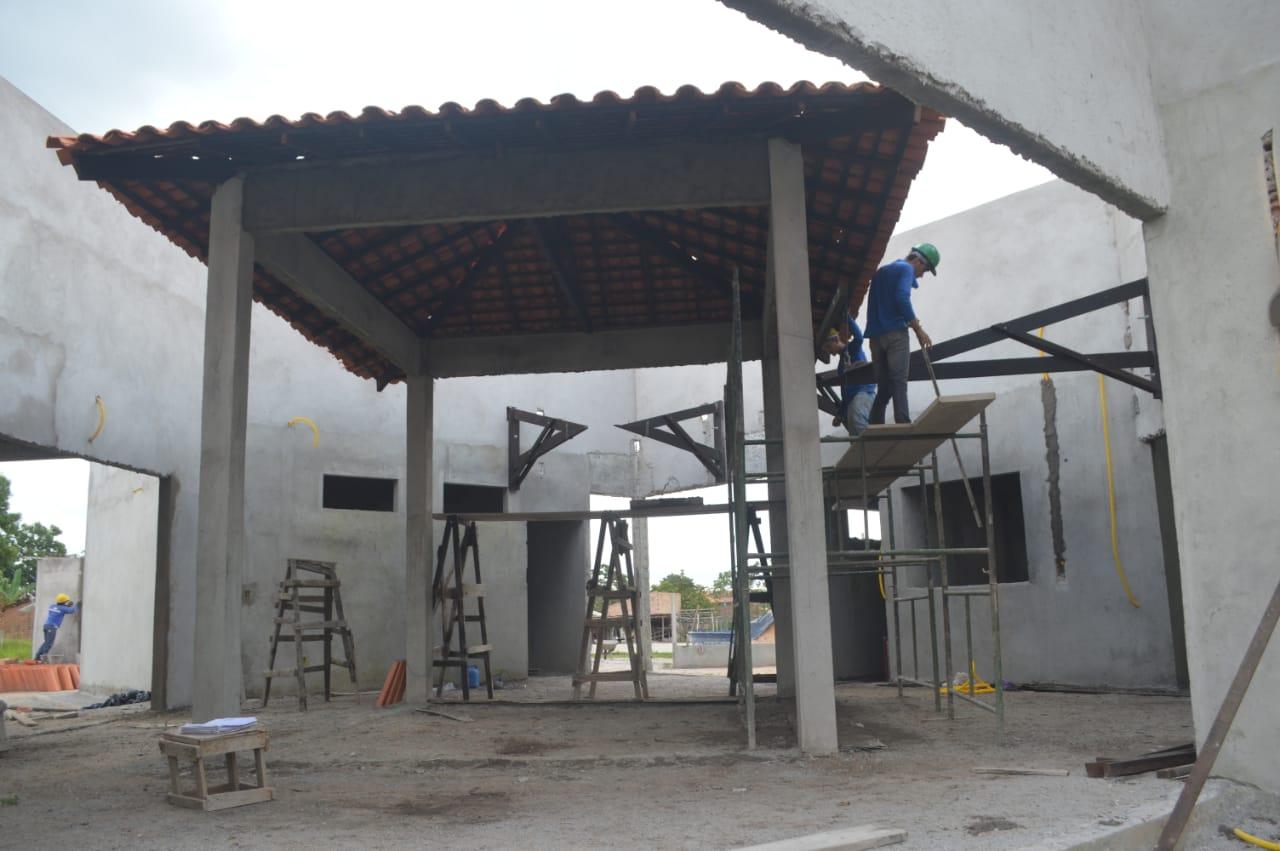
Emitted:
<point x="1213" y="272"/>
<point x="1079" y="103"/>
<point x="1046" y="245"/>
<point x="93" y="304"/>
<point x="58" y="575"/>
<point x="119" y="579"/>
<point x="1213" y="72"/>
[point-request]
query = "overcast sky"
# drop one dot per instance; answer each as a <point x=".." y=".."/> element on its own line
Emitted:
<point x="102" y="65"/>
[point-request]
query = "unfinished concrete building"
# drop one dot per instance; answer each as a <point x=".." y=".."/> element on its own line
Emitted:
<point x="1164" y="157"/>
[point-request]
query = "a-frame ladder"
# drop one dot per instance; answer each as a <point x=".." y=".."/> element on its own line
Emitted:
<point x="452" y="593"/>
<point x="611" y="582"/>
<point x="298" y="595"/>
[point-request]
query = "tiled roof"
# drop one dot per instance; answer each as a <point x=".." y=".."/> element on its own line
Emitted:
<point x="862" y="144"/>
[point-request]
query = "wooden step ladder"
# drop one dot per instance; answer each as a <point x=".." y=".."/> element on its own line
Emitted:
<point x="300" y="595"/>
<point x="609" y="583"/>
<point x="450" y="591"/>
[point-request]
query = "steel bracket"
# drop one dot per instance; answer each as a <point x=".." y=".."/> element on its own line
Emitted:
<point x="666" y="428"/>
<point x="554" y="432"/>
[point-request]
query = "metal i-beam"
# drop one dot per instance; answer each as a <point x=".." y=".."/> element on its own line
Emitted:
<point x="554" y="432"/>
<point x="865" y="374"/>
<point x="1063" y="352"/>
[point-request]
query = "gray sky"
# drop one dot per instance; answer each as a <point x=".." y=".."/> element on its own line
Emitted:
<point x="101" y="65"/>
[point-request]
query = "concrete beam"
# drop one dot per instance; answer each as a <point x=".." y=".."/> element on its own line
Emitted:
<point x="220" y="532"/>
<point x="620" y="349"/>
<point x="419" y="551"/>
<point x="802" y="458"/>
<point x="516" y="184"/>
<point x="303" y="267"/>
<point x="1088" y="113"/>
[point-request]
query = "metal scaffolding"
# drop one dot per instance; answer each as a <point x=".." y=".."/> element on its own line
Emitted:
<point x="872" y="486"/>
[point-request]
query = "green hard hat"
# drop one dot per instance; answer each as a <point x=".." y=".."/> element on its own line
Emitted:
<point x="930" y="253"/>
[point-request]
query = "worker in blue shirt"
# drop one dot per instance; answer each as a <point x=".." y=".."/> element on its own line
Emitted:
<point x="889" y="314"/>
<point x="855" y="399"/>
<point x="62" y="606"/>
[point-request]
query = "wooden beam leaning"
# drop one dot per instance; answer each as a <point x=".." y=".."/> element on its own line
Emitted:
<point x="303" y="266"/>
<point x="389" y="191"/>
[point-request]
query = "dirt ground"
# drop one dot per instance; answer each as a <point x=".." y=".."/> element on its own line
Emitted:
<point x="669" y="775"/>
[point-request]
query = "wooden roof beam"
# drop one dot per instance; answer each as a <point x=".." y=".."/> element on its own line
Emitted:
<point x="567" y="283"/>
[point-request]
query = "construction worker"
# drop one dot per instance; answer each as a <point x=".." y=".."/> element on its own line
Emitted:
<point x="889" y="314"/>
<point x="855" y="399"/>
<point x="62" y="606"/>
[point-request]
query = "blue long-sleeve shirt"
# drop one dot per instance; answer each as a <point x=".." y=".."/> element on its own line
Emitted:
<point x="852" y="356"/>
<point x="57" y="612"/>
<point x="889" y="299"/>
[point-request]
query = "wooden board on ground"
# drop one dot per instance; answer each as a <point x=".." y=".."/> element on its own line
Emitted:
<point x="1023" y="772"/>
<point x="891" y="449"/>
<point x="849" y="839"/>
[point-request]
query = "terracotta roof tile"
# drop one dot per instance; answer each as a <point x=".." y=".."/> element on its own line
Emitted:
<point x="862" y="147"/>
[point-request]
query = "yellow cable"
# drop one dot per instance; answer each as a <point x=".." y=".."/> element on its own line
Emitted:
<point x="1255" y="840"/>
<point x="1111" y="493"/>
<point x="315" y="430"/>
<point x="880" y="579"/>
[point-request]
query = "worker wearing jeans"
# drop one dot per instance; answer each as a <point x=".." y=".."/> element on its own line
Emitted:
<point x="61" y="607"/>
<point x="889" y="315"/>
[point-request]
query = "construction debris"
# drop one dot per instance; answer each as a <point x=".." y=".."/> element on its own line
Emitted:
<point x="1172" y="757"/>
<point x="1030" y="772"/>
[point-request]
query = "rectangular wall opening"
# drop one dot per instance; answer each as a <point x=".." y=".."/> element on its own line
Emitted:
<point x="359" y="493"/>
<point x="962" y="530"/>
<point x="556" y="580"/>
<point x="474" y="499"/>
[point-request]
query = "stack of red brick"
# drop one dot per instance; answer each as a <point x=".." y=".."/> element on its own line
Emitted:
<point x="34" y="676"/>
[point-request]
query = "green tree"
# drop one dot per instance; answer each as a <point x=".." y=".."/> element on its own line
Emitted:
<point x="21" y="544"/>
<point x="723" y="583"/>
<point x="692" y="595"/>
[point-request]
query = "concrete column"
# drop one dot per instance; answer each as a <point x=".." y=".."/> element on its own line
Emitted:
<point x="783" y="647"/>
<point x="220" y="532"/>
<point x="640" y="561"/>
<point x="419" y="550"/>
<point x="802" y="461"/>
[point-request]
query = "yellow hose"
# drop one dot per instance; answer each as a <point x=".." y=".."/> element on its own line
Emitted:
<point x="1255" y="840"/>
<point x="315" y="430"/>
<point x="1044" y="376"/>
<point x="880" y="579"/>
<point x="102" y="417"/>
<point x="1111" y="493"/>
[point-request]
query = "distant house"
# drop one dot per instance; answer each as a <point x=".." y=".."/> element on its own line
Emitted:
<point x="664" y="609"/>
